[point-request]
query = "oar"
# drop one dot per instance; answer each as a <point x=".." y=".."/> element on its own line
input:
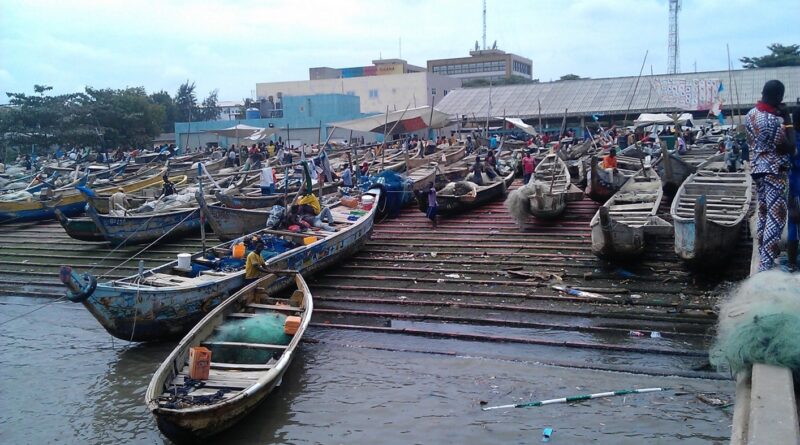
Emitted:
<point x="575" y="398"/>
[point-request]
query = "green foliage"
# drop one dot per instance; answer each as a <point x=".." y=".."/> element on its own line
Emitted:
<point x="780" y="55"/>
<point x="186" y="103"/>
<point x="170" y="110"/>
<point x="570" y="77"/>
<point x="209" y="110"/>
<point x="513" y="80"/>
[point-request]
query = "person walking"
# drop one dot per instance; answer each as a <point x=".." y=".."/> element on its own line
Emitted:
<point x="528" y="167"/>
<point x="433" y="205"/>
<point x="771" y="137"/>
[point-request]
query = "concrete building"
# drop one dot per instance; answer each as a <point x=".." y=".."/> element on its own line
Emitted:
<point x="304" y="120"/>
<point x="379" y="67"/>
<point x="376" y="92"/>
<point x="488" y="64"/>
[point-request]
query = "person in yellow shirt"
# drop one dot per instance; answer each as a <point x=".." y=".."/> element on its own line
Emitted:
<point x="255" y="265"/>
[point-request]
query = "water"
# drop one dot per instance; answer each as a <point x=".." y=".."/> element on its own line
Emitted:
<point x="64" y="380"/>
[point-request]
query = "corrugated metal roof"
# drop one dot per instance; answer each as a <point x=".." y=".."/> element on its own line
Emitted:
<point x="610" y="96"/>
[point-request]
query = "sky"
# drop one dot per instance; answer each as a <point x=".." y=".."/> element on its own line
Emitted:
<point x="231" y="45"/>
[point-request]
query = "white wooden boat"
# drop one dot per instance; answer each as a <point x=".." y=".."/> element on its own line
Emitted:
<point x="708" y="212"/>
<point x="620" y="225"/>
<point x="187" y="409"/>
<point x="551" y="188"/>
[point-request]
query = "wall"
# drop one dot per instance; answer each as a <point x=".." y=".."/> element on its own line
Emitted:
<point x="396" y="91"/>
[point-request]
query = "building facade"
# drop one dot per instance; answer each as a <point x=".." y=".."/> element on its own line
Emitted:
<point x="489" y="64"/>
<point x="376" y="92"/>
<point x="381" y="67"/>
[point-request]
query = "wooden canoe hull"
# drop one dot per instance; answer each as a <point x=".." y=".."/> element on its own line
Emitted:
<point x="717" y="243"/>
<point x="157" y="314"/>
<point x="228" y="223"/>
<point x="548" y="206"/>
<point x="80" y="228"/>
<point x="240" y="201"/>
<point x="146" y="228"/>
<point x="622" y="241"/>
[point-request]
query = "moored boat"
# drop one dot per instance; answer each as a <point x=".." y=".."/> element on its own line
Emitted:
<point x="246" y="362"/>
<point x="620" y="225"/>
<point x="551" y="188"/>
<point x="166" y="301"/>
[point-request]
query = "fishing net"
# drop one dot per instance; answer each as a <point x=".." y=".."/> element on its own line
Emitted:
<point x="760" y="323"/>
<point x="518" y="203"/>
<point x="264" y="328"/>
<point x="396" y="191"/>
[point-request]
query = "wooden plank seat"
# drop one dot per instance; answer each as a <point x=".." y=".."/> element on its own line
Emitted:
<point x="241" y="366"/>
<point x="275" y="307"/>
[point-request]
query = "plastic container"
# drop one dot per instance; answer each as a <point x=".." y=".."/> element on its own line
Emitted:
<point x="184" y="261"/>
<point x="309" y="240"/>
<point x="349" y="201"/>
<point x="238" y="250"/>
<point x="367" y="201"/>
<point x="199" y="362"/>
<point x="291" y="325"/>
<point x="252" y="113"/>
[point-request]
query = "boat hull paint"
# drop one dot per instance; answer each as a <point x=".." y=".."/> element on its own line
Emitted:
<point x="146" y="228"/>
<point x="626" y="241"/>
<point x="82" y="228"/>
<point x="719" y="242"/>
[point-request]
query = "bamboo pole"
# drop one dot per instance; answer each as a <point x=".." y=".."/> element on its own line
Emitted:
<point x="636" y="87"/>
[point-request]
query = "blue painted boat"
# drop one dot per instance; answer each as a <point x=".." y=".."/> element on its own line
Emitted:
<point x="165" y="302"/>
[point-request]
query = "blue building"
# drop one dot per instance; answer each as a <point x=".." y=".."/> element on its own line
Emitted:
<point x="304" y="120"/>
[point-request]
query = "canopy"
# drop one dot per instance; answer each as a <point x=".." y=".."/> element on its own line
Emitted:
<point x="401" y="121"/>
<point x="261" y="135"/>
<point x="521" y="125"/>
<point x="646" y="119"/>
<point x="237" y="131"/>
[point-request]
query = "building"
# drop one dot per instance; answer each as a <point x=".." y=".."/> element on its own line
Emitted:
<point x="614" y="99"/>
<point x="488" y="64"/>
<point x="379" y="67"/>
<point x="303" y="120"/>
<point x="395" y="91"/>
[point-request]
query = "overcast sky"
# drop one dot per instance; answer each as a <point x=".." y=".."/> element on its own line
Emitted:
<point x="231" y="45"/>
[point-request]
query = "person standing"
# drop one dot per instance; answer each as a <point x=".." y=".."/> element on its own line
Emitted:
<point x="528" y="166"/>
<point x="771" y="138"/>
<point x="794" y="202"/>
<point x="433" y="205"/>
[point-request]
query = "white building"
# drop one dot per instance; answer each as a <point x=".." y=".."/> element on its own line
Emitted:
<point x="229" y="109"/>
<point x="377" y="92"/>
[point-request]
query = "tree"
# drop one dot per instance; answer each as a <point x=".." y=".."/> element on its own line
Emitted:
<point x="513" y="80"/>
<point x="780" y="56"/>
<point x="186" y="103"/>
<point x="170" y="110"/>
<point x="209" y="110"/>
<point x="570" y="77"/>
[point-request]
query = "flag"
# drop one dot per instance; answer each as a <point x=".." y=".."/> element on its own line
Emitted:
<point x="721" y="88"/>
<point x="721" y="117"/>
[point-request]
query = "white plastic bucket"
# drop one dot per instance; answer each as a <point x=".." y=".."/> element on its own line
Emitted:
<point x="184" y="261"/>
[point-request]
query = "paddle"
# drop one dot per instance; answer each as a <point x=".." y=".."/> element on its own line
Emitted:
<point x="573" y="398"/>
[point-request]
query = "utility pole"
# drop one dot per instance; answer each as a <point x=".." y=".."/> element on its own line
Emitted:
<point x="484" y="24"/>
<point x="674" y="64"/>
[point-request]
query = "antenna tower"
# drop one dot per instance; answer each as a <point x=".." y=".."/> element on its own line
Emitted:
<point x="674" y="65"/>
<point x="484" y="24"/>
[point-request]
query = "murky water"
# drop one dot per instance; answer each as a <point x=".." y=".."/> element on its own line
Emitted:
<point x="64" y="380"/>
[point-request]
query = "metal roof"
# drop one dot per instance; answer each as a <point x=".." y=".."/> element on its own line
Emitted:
<point x="611" y="95"/>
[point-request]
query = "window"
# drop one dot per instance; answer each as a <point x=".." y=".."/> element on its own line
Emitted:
<point x="433" y="91"/>
<point x="444" y="93"/>
<point x="373" y="94"/>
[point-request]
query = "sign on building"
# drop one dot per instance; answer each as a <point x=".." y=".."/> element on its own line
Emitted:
<point x="687" y="94"/>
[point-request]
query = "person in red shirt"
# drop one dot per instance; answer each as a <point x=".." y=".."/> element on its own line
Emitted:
<point x="610" y="160"/>
<point x="528" y="166"/>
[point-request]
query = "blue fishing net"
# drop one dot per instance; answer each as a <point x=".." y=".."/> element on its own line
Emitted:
<point x="396" y="191"/>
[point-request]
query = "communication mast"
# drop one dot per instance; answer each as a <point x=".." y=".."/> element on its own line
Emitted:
<point x="674" y="64"/>
<point x="484" y="24"/>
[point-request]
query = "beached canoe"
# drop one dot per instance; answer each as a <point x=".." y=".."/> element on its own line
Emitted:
<point x="551" y="188"/>
<point x="166" y="301"/>
<point x="242" y="372"/>
<point x="80" y="228"/>
<point x="230" y="223"/>
<point x="603" y="183"/>
<point x="708" y="212"/>
<point x="620" y="225"/>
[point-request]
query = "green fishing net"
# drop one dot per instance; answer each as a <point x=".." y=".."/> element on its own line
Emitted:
<point x="264" y="328"/>
<point x="760" y="323"/>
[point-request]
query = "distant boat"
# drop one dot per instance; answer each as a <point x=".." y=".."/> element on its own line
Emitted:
<point x="620" y="225"/>
<point x="231" y="223"/>
<point x="241" y="382"/>
<point x="166" y="301"/>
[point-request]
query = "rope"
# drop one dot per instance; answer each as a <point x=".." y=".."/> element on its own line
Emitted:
<point x="34" y="310"/>
<point x="150" y="245"/>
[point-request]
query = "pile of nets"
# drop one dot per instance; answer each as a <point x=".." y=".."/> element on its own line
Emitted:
<point x="396" y="190"/>
<point x="760" y="323"/>
<point x="264" y="328"/>
<point x="518" y="202"/>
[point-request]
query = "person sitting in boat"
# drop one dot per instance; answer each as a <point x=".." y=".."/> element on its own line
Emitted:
<point x="168" y="188"/>
<point x="118" y="203"/>
<point x="313" y="213"/>
<point x="610" y="160"/>
<point x="470" y="146"/>
<point x="364" y="170"/>
<point x="255" y="265"/>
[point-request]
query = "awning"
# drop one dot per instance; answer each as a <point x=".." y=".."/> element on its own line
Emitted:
<point x="646" y="119"/>
<point x="261" y="135"/>
<point x="401" y="121"/>
<point x="237" y="131"/>
<point x="521" y="125"/>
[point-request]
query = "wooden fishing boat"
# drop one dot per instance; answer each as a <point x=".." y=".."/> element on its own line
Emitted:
<point x="80" y="228"/>
<point x="244" y="373"/>
<point x="100" y="200"/>
<point x="448" y="156"/>
<point x="463" y="195"/>
<point x="422" y="176"/>
<point x="230" y="223"/>
<point x="602" y="183"/>
<point x="255" y="200"/>
<point x="620" y="225"/>
<point x="71" y="202"/>
<point x="166" y="301"/>
<point x="708" y="212"/>
<point x="551" y="188"/>
<point x="673" y="171"/>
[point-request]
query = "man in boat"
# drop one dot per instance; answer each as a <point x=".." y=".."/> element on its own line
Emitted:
<point x="118" y="203"/>
<point x="610" y="160"/>
<point x="168" y="188"/>
<point x="255" y="265"/>
<point x="433" y="205"/>
<point x="314" y="214"/>
<point x="770" y="134"/>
